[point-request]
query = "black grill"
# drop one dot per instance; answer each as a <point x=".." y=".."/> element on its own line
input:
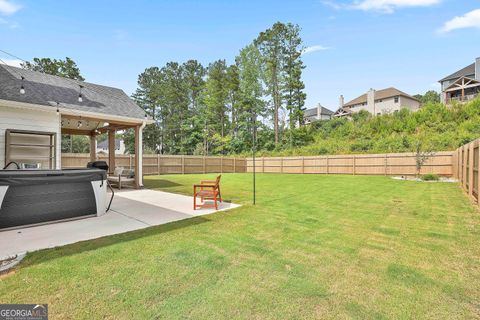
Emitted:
<point x="98" y="165"/>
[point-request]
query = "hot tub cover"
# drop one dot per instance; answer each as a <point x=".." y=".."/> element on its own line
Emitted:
<point x="31" y="177"/>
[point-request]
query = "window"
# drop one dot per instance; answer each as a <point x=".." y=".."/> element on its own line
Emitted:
<point x="396" y="99"/>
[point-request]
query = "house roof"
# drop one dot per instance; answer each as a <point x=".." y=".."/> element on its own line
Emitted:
<point x="46" y="90"/>
<point x="467" y="71"/>
<point x="313" y="111"/>
<point x="380" y="94"/>
<point x="104" y="144"/>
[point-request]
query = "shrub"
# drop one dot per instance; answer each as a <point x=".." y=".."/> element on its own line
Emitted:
<point x="430" y="177"/>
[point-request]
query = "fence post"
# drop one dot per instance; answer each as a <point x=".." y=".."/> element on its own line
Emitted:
<point x="470" y="169"/>
<point x="221" y="164"/>
<point x="464" y="168"/>
<point x="204" y="166"/>
<point x="234" y="165"/>
<point x="353" y="164"/>
<point x="281" y="164"/>
<point x="478" y="174"/>
<point x="303" y="164"/>
<point x="328" y="168"/>
<point x="183" y="164"/>
<point x="386" y="160"/>
<point x="130" y="161"/>
<point x="158" y="163"/>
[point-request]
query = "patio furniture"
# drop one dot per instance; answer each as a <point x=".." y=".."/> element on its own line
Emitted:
<point x="207" y="190"/>
<point x="122" y="177"/>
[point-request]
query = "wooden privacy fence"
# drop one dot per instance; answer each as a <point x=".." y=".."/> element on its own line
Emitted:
<point x="162" y="164"/>
<point x="374" y="164"/>
<point x="465" y="168"/>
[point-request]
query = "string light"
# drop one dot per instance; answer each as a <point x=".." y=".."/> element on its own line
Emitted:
<point x="22" y="88"/>
<point x="80" y="98"/>
<point x="58" y="110"/>
<point x="79" y="124"/>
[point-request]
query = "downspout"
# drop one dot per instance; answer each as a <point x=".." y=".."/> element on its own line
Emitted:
<point x="140" y="151"/>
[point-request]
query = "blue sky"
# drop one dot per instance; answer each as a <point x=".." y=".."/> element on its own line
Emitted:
<point x="354" y="44"/>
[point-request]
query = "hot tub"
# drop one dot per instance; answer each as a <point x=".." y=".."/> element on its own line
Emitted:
<point x="31" y="197"/>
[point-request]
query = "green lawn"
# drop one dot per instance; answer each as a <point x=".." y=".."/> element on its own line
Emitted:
<point x="314" y="246"/>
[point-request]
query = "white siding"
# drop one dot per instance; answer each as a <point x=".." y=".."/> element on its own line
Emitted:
<point x="29" y="119"/>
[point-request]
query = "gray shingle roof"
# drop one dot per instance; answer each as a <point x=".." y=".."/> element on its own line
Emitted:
<point x="104" y="144"/>
<point x="47" y="90"/>
<point x="467" y="71"/>
<point x="380" y="94"/>
<point x="313" y="112"/>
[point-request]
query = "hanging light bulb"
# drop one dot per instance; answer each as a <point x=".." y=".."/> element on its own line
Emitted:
<point x="146" y="117"/>
<point x="79" y="124"/>
<point x="80" y="97"/>
<point x="22" y="88"/>
<point x="58" y="110"/>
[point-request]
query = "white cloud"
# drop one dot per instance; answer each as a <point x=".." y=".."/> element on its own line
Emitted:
<point x="468" y="20"/>
<point x="8" y="7"/>
<point x="311" y="49"/>
<point x="11" y="62"/>
<point x="384" y="6"/>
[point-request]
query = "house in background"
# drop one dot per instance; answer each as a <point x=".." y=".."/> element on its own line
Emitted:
<point x="317" y="113"/>
<point x="378" y="102"/>
<point x="462" y="85"/>
<point x="102" y="147"/>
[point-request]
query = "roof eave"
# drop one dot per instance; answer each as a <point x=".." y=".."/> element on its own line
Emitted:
<point x="71" y="112"/>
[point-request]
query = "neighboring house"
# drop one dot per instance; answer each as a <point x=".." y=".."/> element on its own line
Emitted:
<point x="102" y="147"/>
<point x="462" y="85"/>
<point x="317" y="113"/>
<point x="37" y="108"/>
<point x="378" y="102"/>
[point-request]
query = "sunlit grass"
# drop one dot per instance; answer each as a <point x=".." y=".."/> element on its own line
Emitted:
<point x="313" y="247"/>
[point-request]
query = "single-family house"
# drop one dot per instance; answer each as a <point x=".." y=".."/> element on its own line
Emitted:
<point x="102" y="146"/>
<point x="317" y="113"/>
<point x="462" y="85"/>
<point x="37" y="108"/>
<point x="378" y="102"/>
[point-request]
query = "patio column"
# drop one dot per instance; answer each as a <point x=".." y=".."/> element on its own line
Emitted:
<point x="93" y="146"/>
<point x="111" y="150"/>
<point x="139" y="156"/>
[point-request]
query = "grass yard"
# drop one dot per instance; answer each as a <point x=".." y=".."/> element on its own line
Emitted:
<point x="314" y="246"/>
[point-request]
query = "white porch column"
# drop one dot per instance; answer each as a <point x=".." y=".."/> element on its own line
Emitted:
<point x="139" y="155"/>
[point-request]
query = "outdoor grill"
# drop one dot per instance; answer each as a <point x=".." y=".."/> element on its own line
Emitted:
<point x="98" y="165"/>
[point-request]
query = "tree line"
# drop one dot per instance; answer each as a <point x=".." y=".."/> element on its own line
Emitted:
<point x="211" y="109"/>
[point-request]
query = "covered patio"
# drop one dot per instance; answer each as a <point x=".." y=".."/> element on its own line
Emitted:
<point x="464" y="89"/>
<point x="132" y="210"/>
<point x="74" y="124"/>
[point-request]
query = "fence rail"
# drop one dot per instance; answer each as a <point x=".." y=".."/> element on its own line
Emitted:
<point x="369" y="164"/>
<point x="162" y="164"/>
<point x="466" y="168"/>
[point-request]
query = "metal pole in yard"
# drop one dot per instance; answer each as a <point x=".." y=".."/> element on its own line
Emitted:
<point x="253" y="153"/>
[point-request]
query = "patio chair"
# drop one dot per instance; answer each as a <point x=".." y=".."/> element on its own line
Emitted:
<point x="121" y="177"/>
<point x="207" y="190"/>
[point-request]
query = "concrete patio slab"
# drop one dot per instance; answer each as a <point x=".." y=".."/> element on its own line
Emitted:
<point x="131" y="210"/>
